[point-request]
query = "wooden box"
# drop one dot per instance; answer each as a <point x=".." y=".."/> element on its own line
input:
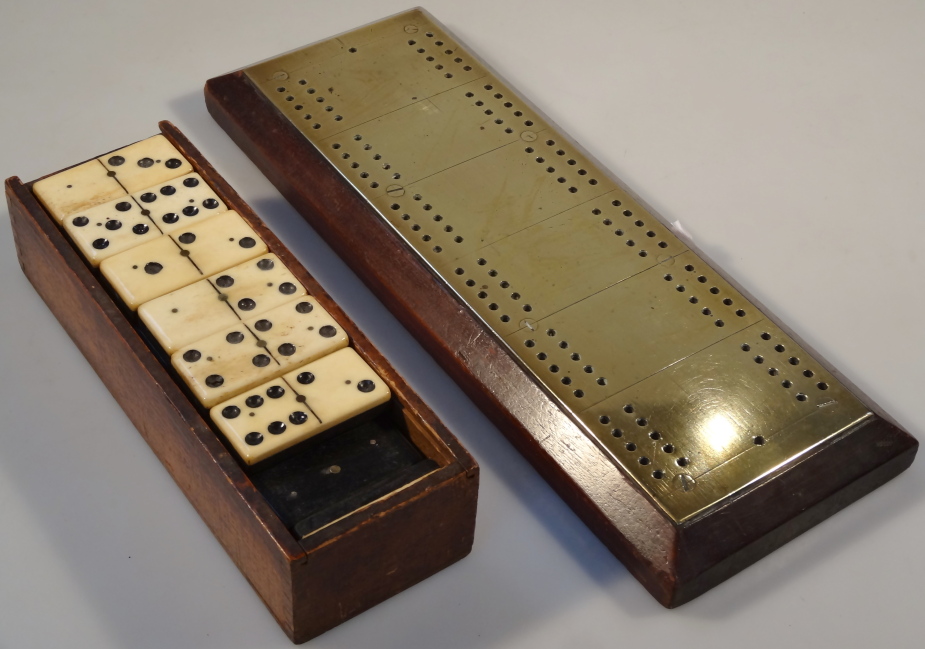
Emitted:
<point x="310" y="584"/>
<point x="410" y="62"/>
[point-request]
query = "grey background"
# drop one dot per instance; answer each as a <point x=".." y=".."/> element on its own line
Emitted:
<point x="786" y="137"/>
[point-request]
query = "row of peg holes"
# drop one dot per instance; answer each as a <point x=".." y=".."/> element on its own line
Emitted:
<point x="539" y="159"/>
<point x="488" y="111"/>
<point x="504" y="284"/>
<point x="654" y="435"/>
<point x="431" y="59"/>
<point x="702" y="279"/>
<point x="792" y="360"/>
<point x="427" y="207"/>
<point x="554" y="368"/>
<point x="299" y="107"/>
<point x="395" y="206"/>
<point x="638" y="223"/>
<point x="356" y="165"/>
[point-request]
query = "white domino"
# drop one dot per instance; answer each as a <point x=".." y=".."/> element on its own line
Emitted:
<point x="281" y="413"/>
<point x="181" y="201"/>
<point x="187" y="315"/>
<point x="146" y="163"/>
<point x="175" y="260"/>
<point x="204" y="307"/>
<point x="219" y="242"/>
<point x="235" y="359"/>
<point x="77" y="188"/>
<point x="110" y="228"/>
<point x="339" y="386"/>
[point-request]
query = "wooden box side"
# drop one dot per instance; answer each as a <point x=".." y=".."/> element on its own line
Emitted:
<point x="429" y="529"/>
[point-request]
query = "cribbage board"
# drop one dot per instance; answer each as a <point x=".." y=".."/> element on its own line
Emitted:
<point x="327" y="480"/>
<point x="689" y="428"/>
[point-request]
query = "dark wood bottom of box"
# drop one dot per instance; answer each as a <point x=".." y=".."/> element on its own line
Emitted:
<point x="675" y="562"/>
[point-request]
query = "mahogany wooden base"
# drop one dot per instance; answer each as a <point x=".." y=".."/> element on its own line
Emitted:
<point x="311" y="584"/>
<point x="675" y="562"/>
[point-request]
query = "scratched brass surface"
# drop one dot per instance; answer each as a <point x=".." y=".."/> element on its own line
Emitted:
<point x="678" y="377"/>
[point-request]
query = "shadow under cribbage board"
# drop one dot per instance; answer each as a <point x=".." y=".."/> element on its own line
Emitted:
<point x="690" y="429"/>
<point x="335" y="487"/>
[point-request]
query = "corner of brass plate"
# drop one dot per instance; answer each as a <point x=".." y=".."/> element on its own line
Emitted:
<point x="680" y="379"/>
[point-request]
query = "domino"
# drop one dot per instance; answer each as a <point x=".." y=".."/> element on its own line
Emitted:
<point x="173" y="261"/>
<point x="305" y="402"/>
<point x="179" y="202"/>
<point x="230" y="361"/>
<point x="145" y="164"/>
<point x="219" y="242"/>
<point x="219" y="301"/>
<point x="108" y="229"/>
<point x="339" y="387"/>
<point x="77" y="188"/>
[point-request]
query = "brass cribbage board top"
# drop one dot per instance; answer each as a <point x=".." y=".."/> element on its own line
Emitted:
<point x="678" y="377"/>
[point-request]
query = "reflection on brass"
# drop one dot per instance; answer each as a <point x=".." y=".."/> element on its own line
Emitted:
<point x="680" y="379"/>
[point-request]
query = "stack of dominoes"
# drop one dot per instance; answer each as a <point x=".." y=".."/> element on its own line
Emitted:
<point x="270" y="363"/>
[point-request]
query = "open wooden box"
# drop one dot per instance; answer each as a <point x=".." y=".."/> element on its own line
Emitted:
<point x="311" y="580"/>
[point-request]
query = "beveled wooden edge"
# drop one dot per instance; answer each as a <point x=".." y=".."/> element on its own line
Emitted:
<point x="689" y="559"/>
<point x="828" y="479"/>
<point x="37" y="233"/>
